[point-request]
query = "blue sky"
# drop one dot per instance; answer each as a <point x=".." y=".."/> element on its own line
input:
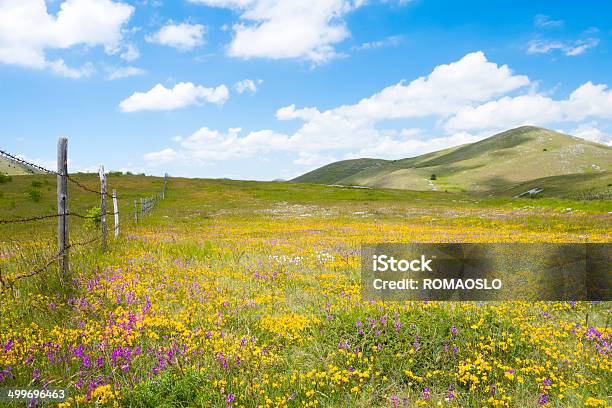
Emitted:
<point x="266" y="89"/>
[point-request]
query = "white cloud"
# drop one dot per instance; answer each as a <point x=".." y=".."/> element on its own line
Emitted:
<point x="590" y="131"/>
<point x="389" y="41"/>
<point x="447" y="88"/>
<point x="281" y="29"/>
<point x="506" y="112"/>
<point x="207" y="144"/>
<point x="570" y="49"/>
<point x="394" y="148"/>
<point x="124" y="72"/>
<point x="60" y="68"/>
<point x="467" y="98"/>
<point x="544" y="21"/>
<point x="211" y="144"/>
<point x="163" y="156"/>
<point x="183" y="36"/>
<point x="181" y="95"/>
<point x="130" y="53"/>
<point x="411" y="132"/>
<point x="580" y="47"/>
<point x="313" y="159"/>
<point x="247" y="85"/>
<point x="588" y="100"/>
<point x="27" y="30"/>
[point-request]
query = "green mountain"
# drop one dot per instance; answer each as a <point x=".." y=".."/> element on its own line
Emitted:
<point x="495" y="165"/>
<point x="14" y="168"/>
<point x="581" y="186"/>
<point x="334" y="172"/>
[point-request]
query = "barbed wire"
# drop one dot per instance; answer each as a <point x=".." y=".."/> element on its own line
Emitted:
<point x="91" y="216"/>
<point x="21" y="220"/>
<point x="7" y="285"/>
<point x="87" y="188"/>
<point x="27" y="163"/>
<point x="42" y="217"/>
<point x="36" y="166"/>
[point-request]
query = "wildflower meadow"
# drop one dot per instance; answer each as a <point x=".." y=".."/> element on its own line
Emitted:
<point x="247" y="294"/>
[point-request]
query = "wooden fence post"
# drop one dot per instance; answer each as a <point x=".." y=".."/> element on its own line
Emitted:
<point x="164" y="189"/>
<point x="142" y="208"/>
<point x="136" y="211"/>
<point x="62" y="208"/>
<point x="116" y="213"/>
<point x="103" y="206"/>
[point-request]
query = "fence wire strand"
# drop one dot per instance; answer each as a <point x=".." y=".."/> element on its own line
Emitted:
<point x="21" y="220"/>
<point x="49" y="262"/>
<point x="87" y="188"/>
<point x="37" y="167"/>
<point x="43" y="217"/>
<point x="27" y="163"/>
<point x="147" y="205"/>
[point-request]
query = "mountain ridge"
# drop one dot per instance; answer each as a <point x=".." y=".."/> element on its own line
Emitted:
<point x="492" y="164"/>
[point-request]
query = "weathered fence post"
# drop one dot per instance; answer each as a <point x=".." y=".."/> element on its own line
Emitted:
<point x="164" y="189"/>
<point x="136" y="211"/>
<point x="103" y="206"/>
<point x="62" y="208"/>
<point x="142" y="208"/>
<point x="116" y="213"/>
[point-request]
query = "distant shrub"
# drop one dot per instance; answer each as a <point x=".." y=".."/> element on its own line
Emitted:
<point x="129" y="173"/>
<point x="94" y="215"/>
<point x="35" y="195"/>
<point x="36" y="183"/>
<point x="115" y="173"/>
<point x="544" y="149"/>
<point x="433" y="177"/>
<point x="4" y="178"/>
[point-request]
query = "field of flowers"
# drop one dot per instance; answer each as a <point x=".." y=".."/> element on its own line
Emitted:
<point x="243" y="294"/>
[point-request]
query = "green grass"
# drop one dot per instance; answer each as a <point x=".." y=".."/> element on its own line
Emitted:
<point x="590" y="186"/>
<point x="195" y="258"/>
<point x="210" y="195"/>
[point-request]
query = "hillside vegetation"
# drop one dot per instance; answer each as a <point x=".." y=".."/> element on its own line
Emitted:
<point x="334" y="172"/>
<point x="13" y="168"/>
<point x="499" y="163"/>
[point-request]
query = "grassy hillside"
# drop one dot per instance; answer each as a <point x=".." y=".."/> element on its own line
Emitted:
<point x="499" y="162"/>
<point x="13" y="168"/>
<point x="337" y="171"/>
<point x="589" y="186"/>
